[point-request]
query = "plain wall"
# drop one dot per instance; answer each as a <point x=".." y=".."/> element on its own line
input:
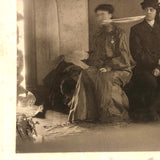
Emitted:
<point x="30" y="49"/>
<point x="46" y="35"/>
<point x="61" y="28"/>
<point x="53" y="27"/>
<point x="73" y="23"/>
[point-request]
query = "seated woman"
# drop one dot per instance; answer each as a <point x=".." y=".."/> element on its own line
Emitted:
<point x="99" y="91"/>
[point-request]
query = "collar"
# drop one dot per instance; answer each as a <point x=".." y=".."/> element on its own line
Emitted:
<point x="151" y="23"/>
<point x="155" y="29"/>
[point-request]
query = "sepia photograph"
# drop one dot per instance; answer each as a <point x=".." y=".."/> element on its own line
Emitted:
<point x="88" y="76"/>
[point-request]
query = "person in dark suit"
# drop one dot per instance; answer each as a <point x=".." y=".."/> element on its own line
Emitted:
<point x="145" y="49"/>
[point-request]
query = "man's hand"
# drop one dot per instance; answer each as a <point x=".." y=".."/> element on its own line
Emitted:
<point x="156" y="72"/>
<point x="105" y="69"/>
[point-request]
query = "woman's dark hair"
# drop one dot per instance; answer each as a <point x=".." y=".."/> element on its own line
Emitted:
<point x="105" y="7"/>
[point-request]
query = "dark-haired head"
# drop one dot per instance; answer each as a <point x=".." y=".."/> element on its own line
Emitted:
<point x="150" y="3"/>
<point x="104" y="12"/>
<point x="105" y="7"/>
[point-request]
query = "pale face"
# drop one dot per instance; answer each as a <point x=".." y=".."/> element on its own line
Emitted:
<point x="103" y="15"/>
<point x="150" y="13"/>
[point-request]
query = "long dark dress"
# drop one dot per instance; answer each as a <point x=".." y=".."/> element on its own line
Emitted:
<point x="100" y="96"/>
<point x="145" y="49"/>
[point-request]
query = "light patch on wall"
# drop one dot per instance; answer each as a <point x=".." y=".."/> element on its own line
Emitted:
<point x="20" y="44"/>
<point x="47" y="36"/>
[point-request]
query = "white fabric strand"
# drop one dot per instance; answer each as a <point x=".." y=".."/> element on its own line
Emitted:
<point x="125" y="20"/>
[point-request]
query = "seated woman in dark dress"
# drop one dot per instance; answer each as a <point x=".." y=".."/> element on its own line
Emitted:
<point x="99" y="93"/>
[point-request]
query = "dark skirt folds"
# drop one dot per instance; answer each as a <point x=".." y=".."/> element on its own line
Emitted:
<point x="100" y="96"/>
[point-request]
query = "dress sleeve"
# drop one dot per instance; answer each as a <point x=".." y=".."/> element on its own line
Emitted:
<point x="123" y="60"/>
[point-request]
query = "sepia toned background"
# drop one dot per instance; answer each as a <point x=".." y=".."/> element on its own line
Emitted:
<point x="59" y="27"/>
<point x="8" y="98"/>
